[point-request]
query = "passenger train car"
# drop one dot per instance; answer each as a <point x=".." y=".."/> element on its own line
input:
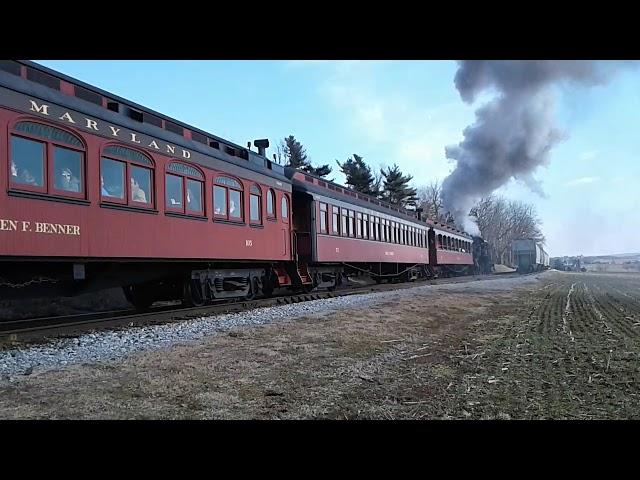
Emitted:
<point x="100" y="192"/>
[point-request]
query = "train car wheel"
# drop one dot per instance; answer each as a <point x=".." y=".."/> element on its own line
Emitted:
<point x="193" y="293"/>
<point x="138" y="297"/>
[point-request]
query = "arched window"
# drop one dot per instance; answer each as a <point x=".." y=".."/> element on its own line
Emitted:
<point x="126" y="176"/>
<point x="271" y="205"/>
<point x="227" y="199"/>
<point x="46" y="159"/>
<point x="255" y="205"/>
<point x="285" y="208"/>
<point x="184" y="186"/>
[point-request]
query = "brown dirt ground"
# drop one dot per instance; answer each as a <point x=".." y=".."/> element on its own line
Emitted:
<point x="564" y="345"/>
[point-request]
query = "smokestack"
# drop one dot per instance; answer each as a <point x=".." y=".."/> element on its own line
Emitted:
<point x="513" y="133"/>
<point x="261" y="145"/>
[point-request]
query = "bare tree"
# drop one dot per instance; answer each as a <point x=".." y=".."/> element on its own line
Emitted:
<point x="430" y="200"/>
<point x="501" y="221"/>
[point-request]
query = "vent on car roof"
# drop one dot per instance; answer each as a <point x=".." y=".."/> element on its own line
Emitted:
<point x="172" y="127"/>
<point x="113" y="106"/>
<point x="87" y="95"/>
<point x="135" y="115"/>
<point x="43" y="78"/>
<point x="198" y="137"/>
<point x="152" y="119"/>
<point x="10" y="66"/>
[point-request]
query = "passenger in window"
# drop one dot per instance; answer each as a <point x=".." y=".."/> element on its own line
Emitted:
<point x="104" y="191"/>
<point x="232" y="208"/>
<point x="193" y="201"/>
<point x="137" y="193"/>
<point x="68" y="181"/>
<point x="111" y="190"/>
<point x="24" y="177"/>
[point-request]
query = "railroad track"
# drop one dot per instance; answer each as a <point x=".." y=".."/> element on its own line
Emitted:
<point x="43" y="328"/>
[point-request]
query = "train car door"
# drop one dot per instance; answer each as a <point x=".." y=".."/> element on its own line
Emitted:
<point x="433" y="253"/>
<point x="303" y="217"/>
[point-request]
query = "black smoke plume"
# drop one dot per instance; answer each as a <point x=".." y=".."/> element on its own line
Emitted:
<point x="513" y="133"/>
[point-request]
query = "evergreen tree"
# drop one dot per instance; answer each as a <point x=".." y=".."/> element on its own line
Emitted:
<point x="358" y="174"/>
<point x="396" y="189"/>
<point x="295" y="155"/>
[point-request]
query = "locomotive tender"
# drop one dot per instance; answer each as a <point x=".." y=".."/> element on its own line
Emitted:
<point x="99" y="192"/>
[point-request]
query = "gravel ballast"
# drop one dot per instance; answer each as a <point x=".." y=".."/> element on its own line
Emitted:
<point x="110" y="345"/>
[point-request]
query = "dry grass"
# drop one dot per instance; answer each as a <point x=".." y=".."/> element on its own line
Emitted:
<point x="467" y="352"/>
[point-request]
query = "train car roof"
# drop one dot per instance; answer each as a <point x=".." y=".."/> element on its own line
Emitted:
<point x="85" y="100"/>
<point x="306" y="182"/>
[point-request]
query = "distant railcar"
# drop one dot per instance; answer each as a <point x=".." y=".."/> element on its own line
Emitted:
<point x="529" y="256"/>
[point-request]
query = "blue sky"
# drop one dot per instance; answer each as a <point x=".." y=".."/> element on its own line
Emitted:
<point x="405" y="112"/>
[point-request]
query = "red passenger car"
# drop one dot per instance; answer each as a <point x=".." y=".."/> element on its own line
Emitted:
<point x="100" y="192"/>
<point x="103" y="192"/>
<point x="337" y="231"/>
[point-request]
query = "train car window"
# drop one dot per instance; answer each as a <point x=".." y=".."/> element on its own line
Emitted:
<point x="345" y="215"/>
<point x="365" y="225"/>
<point x="285" y="208"/>
<point x="359" y="225"/>
<point x="112" y="178"/>
<point x="127" y="154"/>
<point x="194" y="196"/>
<point x="174" y="192"/>
<point x="47" y="132"/>
<point x="186" y="170"/>
<point x="323" y="218"/>
<point x="383" y="230"/>
<point x="220" y="201"/>
<point x="140" y="180"/>
<point x="271" y="211"/>
<point x="27" y="162"/>
<point x="184" y="188"/>
<point x="255" y="205"/>
<point x="335" y="225"/>
<point x="126" y="176"/>
<point x="235" y="205"/>
<point x="374" y="228"/>
<point x="68" y="170"/>
<point x="352" y="230"/>
<point x="227" y="199"/>
<point x="46" y="159"/>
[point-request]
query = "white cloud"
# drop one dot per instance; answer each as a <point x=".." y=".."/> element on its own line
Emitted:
<point x="581" y="181"/>
<point x="412" y="136"/>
